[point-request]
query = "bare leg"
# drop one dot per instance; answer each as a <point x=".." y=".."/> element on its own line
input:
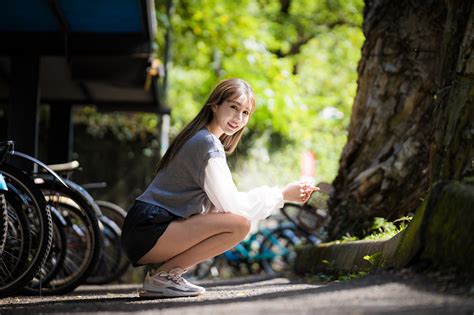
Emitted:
<point x="188" y="242"/>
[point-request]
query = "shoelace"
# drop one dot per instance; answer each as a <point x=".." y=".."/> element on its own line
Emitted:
<point x="175" y="278"/>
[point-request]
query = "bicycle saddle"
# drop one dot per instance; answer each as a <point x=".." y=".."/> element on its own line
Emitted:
<point x="64" y="167"/>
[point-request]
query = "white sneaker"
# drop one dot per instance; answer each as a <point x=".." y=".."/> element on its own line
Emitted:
<point x="169" y="284"/>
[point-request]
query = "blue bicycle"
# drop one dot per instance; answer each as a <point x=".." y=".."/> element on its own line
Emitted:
<point x="259" y="253"/>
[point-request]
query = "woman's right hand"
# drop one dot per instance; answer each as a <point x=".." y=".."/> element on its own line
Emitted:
<point x="298" y="192"/>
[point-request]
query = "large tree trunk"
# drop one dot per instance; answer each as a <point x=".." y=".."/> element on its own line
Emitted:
<point x="412" y="120"/>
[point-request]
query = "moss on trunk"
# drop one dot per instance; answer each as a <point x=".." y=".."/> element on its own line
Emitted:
<point x="448" y="237"/>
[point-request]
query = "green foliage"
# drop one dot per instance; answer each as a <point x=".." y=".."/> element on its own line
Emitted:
<point x="352" y="276"/>
<point x="348" y="238"/>
<point x="383" y="229"/>
<point x="301" y="63"/>
<point x="372" y="259"/>
<point x="304" y="96"/>
<point x="381" y="226"/>
<point x="124" y="126"/>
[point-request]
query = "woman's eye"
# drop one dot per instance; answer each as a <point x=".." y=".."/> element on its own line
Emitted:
<point x="246" y="113"/>
<point x="233" y="107"/>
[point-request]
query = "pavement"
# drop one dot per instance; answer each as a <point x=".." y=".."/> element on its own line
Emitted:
<point x="382" y="292"/>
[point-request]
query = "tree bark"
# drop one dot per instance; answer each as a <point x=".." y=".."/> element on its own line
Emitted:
<point x="412" y="119"/>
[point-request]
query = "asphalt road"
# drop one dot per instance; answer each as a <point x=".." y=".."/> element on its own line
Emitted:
<point x="379" y="293"/>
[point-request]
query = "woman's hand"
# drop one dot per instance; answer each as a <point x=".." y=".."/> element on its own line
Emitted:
<point x="298" y="192"/>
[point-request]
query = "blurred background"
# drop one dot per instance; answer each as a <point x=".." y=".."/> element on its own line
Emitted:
<point x="301" y="64"/>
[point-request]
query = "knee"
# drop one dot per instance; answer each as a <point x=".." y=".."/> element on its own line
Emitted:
<point x="241" y="226"/>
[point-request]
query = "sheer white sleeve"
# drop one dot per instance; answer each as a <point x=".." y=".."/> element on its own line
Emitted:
<point x="257" y="204"/>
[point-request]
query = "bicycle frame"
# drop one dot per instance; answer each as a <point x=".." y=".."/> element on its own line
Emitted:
<point x="3" y="184"/>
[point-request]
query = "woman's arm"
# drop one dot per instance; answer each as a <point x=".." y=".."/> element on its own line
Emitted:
<point x="256" y="204"/>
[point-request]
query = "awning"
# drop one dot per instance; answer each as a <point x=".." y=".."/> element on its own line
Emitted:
<point x="90" y="52"/>
<point x="73" y="52"/>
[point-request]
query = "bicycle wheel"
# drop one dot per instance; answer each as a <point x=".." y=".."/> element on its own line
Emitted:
<point x="112" y="211"/>
<point x="244" y="256"/>
<point x="117" y="215"/>
<point x="79" y="258"/>
<point x="29" y="233"/>
<point x="83" y="239"/>
<point x="107" y="270"/>
<point x="278" y="250"/>
<point x="291" y="211"/>
<point x="3" y="221"/>
<point x="213" y="268"/>
<point x="57" y="253"/>
<point x="204" y="270"/>
<point x="17" y="244"/>
<point x="308" y="221"/>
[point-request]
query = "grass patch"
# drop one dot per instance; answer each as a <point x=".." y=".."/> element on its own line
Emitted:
<point x="326" y="277"/>
<point x="381" y="229"/>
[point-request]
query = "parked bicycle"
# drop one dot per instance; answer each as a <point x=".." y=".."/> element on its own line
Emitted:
<point x="53" y="235"/>
<point x="27" y="227"/>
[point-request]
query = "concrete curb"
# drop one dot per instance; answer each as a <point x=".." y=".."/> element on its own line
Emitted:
<point x="440" y="232"/>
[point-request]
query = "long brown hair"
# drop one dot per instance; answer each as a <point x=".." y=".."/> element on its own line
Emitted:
<point x="230" y="89"/>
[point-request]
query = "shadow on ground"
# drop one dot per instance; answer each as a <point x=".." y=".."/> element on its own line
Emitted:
<point x="124" y="298"/>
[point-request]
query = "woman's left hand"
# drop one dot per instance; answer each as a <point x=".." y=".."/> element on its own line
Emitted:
<point x="298" y="192"/>
<point x="306" y="191"/>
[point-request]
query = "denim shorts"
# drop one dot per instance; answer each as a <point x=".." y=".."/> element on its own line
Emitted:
<point x="143" y="226"/>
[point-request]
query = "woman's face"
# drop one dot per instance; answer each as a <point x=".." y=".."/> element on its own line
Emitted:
<point x="230" y="117"/>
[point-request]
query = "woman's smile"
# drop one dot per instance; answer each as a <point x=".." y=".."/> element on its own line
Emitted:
<point x="233" y="125"/>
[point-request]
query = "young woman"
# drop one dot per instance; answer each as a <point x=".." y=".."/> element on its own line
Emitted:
<point x="192" y="210"/>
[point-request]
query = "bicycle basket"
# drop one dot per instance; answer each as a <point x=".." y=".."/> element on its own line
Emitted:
<point x="314" y="213"/>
